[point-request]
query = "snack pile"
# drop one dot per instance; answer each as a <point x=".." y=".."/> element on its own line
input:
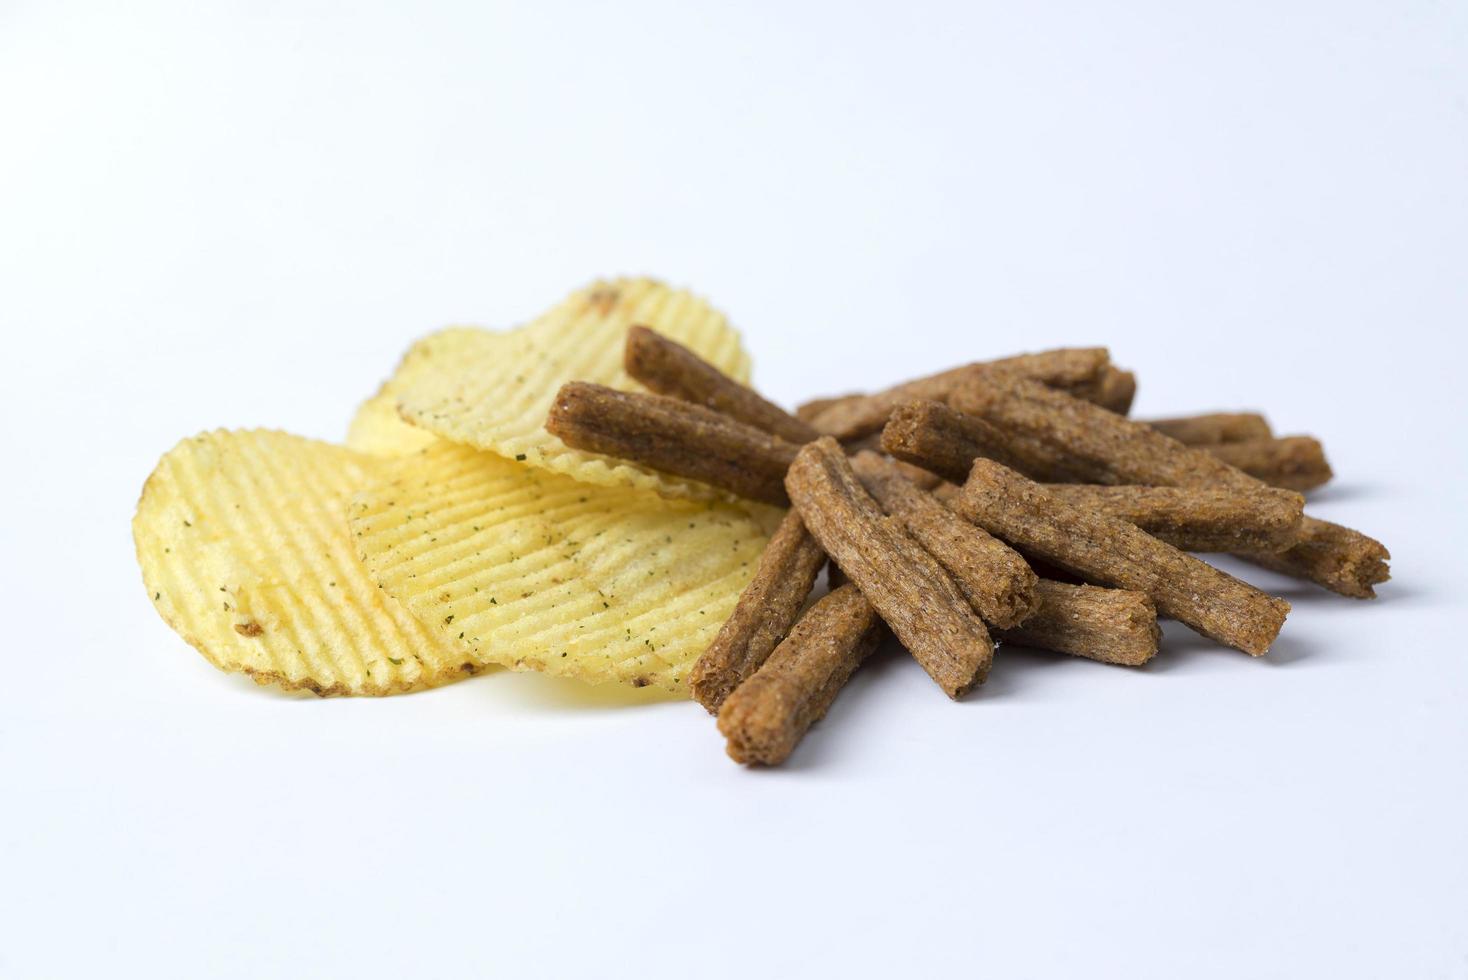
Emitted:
<point x="593" y="495"/>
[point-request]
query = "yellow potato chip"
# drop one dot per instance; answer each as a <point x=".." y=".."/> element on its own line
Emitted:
<point x="534" y="570"/>
<point x="377" y="427"/>
<point x="245" y="550"/>
<point x="495" y="393"/>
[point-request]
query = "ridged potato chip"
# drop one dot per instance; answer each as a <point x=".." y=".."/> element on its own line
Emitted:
<point x="534" y="570"/>
<point x="495" y="393"/>
<point x="246" y="553"/>
<point x="377" y="427"/>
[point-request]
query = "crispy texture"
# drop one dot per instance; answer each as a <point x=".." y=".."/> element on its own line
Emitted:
<point x="243" y="542"/>
<point x="673" y="436"/>
<point x="1198" y="519"/>
<point x="766" y="717"/>
<point x="669" y="368"/>
<point x="991" y="575"/>
<point x="934" y="437"/>
<point x="767" y="609"/>
<point x="1118" y="450"/>
<point x="1112" y="552"/>
<point x="495" y="393"/>
<point x="852" y="417"/>
<point x="1114" y="626"/>
<point x="1215" y="428"/>
<point x="908" y="588"/>
<point x="1292" y="462"/>
<point x="377" y="428"/>
<point x="533" y="570"/>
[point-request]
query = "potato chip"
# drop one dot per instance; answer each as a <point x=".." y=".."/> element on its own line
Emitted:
<point x="377" y="427"/>
<point x="495" y="393"/>
<point x="534" y="570"/>
<point x="245" y="550"/>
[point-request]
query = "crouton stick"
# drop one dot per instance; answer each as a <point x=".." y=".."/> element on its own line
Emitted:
<point x="673" y="436"/>
<point x="671" y="369"/>
<point x="992" y="576"/>
<point x="1108" y="551"/>
<point x="1292" y="462"/>
<point x="766" y="610"/>
<point x="1114" y="626"/>
<point x="766" y="717"/>
<point x="1214" y="428"/>
<point x="1197" y="519"/>
<point x="905" y="585"/>
<point x="1114" y="390"/>
<point x="871" y="443"/>
<point x="935" y="437"/>
<point x="855" y="416"/>
<point x="1201" y="519"/>
<point x="1122" y="451"/>
<point x="1189" y="519"/>
<point x="809" y="411"/>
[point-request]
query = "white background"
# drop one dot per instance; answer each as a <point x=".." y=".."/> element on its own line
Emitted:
<point x="238" y="214"/>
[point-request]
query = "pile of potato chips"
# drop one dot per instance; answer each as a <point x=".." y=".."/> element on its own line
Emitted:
<point x="452" y="532"/>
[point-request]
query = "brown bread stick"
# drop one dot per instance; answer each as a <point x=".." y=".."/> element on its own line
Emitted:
<point x="852" y="417"/>
<point x="1113" y="390"/>
<point x="1118" y="450"/>
<point x="907" y="587"/>
<point x="811" y="410"/>
<point x="1112" y="552"/>
<point x="1197" y="519"/>
<point x="766" y="717"/>
<point x="766" y="610"/>
<point x="1215" y="428"/>
<point x="947" y="442"/>
<point x="1336" y="557"/>
<point x="1109" y="448"/>
<point x="1291" y="462"/>
<point x="916" y="475"/>
<point x="673" y="436"/>
<point x="671" y="369"/>
<point x="1114" y="626"/>
<point x="935" y="437"/>
<point x="992" y="576"/>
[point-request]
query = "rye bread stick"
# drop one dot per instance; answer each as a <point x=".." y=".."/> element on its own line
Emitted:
<point x="871" y="442"/>
<point x="669" y="368"/>
<point x="1291" y="462"/>
<point x="944" y="492"/>
<point x="1113" y="389"/>
<point x="933" y="436"/>
<point x="1118" y="450"/>
<point x="852" y="417"/>
<point x="992" y="576"/>
<point x="767" y="608"/>
<point x="766" y="717"/>
<point x="1114" y="626"/>
<point x="772" y="601"/>
<point x="1214" y="428"/>
<point x="1201" y="519"/>
<point x="673" y="436"/>
<point x="1108" y="551"/>
<point x="1197" y="518"/>
<point x="907" y="587"/>
<point x="811" y="410"/>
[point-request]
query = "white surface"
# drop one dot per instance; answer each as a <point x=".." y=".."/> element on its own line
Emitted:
<point x="240" y="217"/>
